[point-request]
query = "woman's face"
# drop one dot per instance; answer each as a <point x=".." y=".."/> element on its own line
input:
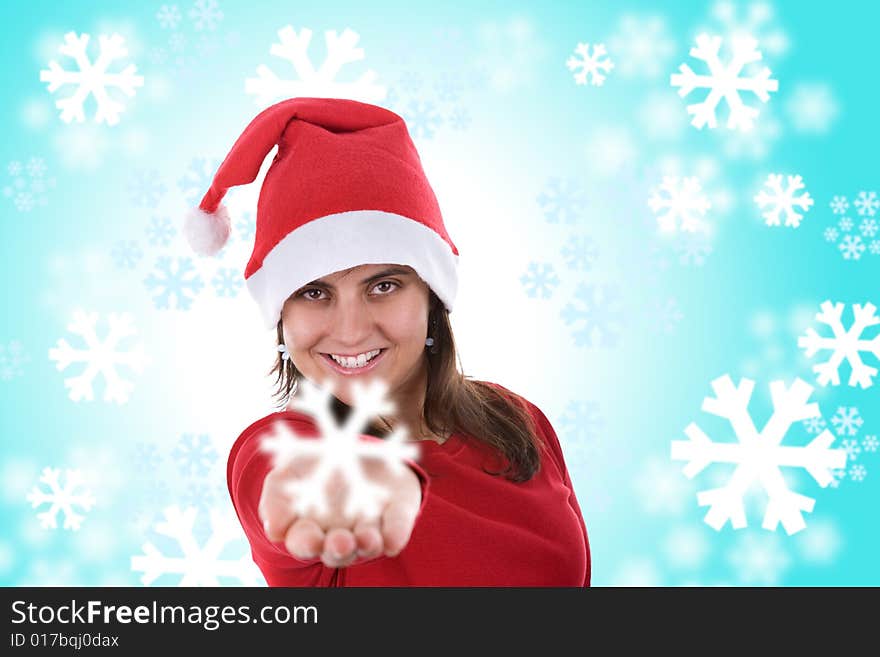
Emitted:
<point x="351" y="315"/>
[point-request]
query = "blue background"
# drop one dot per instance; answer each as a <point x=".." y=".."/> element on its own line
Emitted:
<point x="497" y="117"/>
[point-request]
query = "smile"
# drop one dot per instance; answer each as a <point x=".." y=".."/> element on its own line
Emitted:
<point x="353" y="366"/>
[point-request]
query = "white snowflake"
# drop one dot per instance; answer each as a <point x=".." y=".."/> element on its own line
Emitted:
<point x="91" y="78"/>
<point x="867" y="203"/>
<point x="815" y="424"/>
<point x="724" y="82"/>
<point x="852" y="449"/>
<point x="340" y="448"/>
<point x="845" y="224"/>
<point x="758" y="455"/>
<point x="868" y="227"/>
<point x="199" y="565"/>
<point x="783" y="200"/>
<point x="858" y="472"/>
<point x="870" y="443"/>
<point x="847" y="421"/>
<point x="205" y="15"/>
<point x="831" y="234"/>
<point x="100" y="356"/>
<point x="839" y="205"/>
<point x="851" y="247"/>
<point x="61" y="498"/>
<point x="592" y="65"/>
<point x="845" y="343"/>
<point x="293" y="47"/>
<point x="684" y="206"/>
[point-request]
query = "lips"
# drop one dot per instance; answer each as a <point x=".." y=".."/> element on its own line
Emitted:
<point x="353" y="371"/>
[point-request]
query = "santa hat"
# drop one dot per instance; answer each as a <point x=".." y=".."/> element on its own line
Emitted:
<point x="346" y="188"/>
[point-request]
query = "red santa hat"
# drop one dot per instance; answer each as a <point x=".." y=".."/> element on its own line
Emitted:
<point x="346" y="188"/>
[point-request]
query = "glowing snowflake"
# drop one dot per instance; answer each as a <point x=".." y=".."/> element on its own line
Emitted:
<point x="839" y="205"/>
<point x="783" y="200"/>
<point x="100" y="357"/>
<point x="867" y="203"/>
<point x="724" y="82"/>
<point x="847" y="344"/>
<point x="594" y="65"/>
<point x="758" y="455"/>
<point x="340" y="448"/>
<point x="62" y="498"/>
<point x="199" y="565"/>
<point x="294" y="47"/>
<point x="683" y="206"/>
<point x="91" y="78"/>
<point x="851" y="247"/>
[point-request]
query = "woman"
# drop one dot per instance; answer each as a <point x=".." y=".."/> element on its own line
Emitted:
<point x="353" y="268"/>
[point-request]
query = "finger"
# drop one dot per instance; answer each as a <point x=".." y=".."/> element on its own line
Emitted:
<point x="305" y="539"/>
<point x="339" y="547"/>
<point x="397" y="523"/>
<point x="275" y="508"/>
<point x="368" y="538"/>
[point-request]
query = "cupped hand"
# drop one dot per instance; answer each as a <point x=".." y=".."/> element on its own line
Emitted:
<point x="334" y="538"/>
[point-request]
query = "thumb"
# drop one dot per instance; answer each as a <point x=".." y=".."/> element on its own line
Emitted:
<point x="397" y="524"/>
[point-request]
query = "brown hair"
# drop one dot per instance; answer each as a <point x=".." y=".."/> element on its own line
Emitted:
<point x="453" y="403"/>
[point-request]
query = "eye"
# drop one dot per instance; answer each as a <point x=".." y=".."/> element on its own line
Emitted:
<point x="308" y="292"/>
<point x="387" y="291"/>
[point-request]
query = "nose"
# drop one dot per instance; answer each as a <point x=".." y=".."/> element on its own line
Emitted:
<point x="352" y="323"/>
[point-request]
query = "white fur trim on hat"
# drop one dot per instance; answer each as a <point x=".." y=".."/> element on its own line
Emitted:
<point x="207" y="233"/>
<point x="348" y="239"/>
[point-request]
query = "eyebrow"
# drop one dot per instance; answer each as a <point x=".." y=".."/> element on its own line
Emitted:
<point x="391" y="271"/>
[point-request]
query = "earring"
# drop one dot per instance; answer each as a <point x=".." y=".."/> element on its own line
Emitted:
<point x="429" y="342"/>
<point x="285" y="355"/>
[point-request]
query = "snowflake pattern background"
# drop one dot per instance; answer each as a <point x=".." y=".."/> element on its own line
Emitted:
<point x="572" y="293"/>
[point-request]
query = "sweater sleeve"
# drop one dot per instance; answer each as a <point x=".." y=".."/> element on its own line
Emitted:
<point x="247" y="467"/>
<point x="555" y="449"/>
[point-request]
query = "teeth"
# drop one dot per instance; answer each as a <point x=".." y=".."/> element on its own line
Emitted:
<point x="355" y="361"/>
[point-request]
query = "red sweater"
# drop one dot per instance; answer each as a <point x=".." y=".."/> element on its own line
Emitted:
<point x="472" y="528"/>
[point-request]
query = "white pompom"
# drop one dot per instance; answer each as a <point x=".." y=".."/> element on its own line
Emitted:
<point x="207" y="233"/>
